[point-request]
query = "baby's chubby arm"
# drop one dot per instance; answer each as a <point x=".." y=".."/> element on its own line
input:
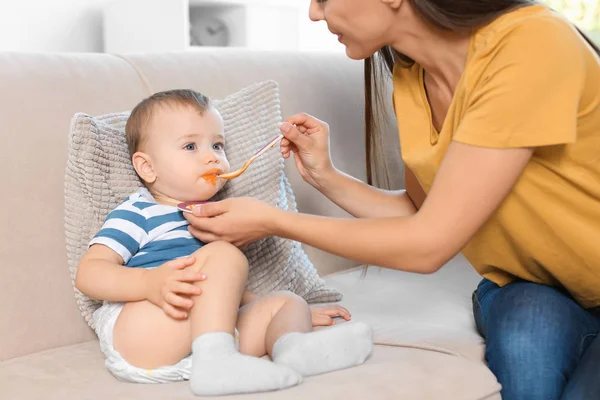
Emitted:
<point x="101" y="275"/>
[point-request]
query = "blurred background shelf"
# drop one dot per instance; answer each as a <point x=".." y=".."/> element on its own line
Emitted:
<point x="173" y="25"/>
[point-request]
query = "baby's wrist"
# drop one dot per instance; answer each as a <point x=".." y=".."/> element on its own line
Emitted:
<point x="147" y="285"/>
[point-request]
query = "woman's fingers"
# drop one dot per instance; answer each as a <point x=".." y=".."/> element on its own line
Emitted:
<point x="293" y="135"/>
<point x="210" y="209"/>
<point x="284" y="148"/>
<point x="203" y="236"/>
<point x="303" y="120"/>
<point x="287" y="145"/>
<point x="287" y="148"/>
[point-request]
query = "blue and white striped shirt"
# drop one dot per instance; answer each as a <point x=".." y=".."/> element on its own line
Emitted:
<point x="146" y="234"/>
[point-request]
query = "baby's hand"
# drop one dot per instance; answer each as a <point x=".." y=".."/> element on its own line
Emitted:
<point x="171" y="285"/>
<point x="323" y="315"/>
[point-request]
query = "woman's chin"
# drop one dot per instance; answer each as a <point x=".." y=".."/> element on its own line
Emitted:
<point x="357" y="54"/>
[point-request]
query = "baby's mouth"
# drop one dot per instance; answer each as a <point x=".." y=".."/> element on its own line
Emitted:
<point x="211" y="176"/>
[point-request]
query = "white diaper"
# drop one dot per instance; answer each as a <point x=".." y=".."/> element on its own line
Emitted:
<point x="105" y="318"/>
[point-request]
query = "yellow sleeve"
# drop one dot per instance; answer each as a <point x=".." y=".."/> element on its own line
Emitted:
<point x="528" y="92"/>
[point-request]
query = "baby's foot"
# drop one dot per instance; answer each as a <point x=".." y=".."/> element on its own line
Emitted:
<point x="218" y="368"/>
<point x="337" y="347"/>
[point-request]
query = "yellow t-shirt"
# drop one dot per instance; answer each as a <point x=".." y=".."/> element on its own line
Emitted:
<point x="530" y="81"/>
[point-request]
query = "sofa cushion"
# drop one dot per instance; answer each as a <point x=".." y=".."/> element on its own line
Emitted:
<point x="78" y="372"/>
<point x="99" y="176"/>
<point x="432" y="349"/>
<point x="423" y="311"/>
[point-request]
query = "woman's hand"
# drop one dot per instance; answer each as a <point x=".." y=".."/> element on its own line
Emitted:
<point x="171" y="285"/>
<point x="309" y="141"/>
<point x="239" y="221"/>
<point x="323" y="315"/>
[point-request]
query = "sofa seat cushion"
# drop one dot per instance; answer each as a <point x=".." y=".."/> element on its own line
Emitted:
<point x="428" y="311"/>
<point x="432" y="350"/>
<point x="78" y="372"/>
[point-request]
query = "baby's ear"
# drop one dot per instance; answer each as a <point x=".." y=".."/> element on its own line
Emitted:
<point x="143" y="166"/>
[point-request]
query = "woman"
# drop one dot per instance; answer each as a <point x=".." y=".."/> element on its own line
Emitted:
<point x="498" y="110"/>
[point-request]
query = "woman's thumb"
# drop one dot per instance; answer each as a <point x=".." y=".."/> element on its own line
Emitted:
<point x="207" y="209"/>
<point x="292" y="134"/>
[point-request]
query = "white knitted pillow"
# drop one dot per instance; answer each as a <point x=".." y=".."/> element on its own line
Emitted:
<point x="99" y="176"/>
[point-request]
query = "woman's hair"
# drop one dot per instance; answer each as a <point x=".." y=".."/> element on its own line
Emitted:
<point x="142" y="113"/>
<point x="460" y="16"/>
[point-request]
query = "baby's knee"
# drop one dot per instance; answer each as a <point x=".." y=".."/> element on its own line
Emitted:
<point x="282" y="297"/>
<point x="226" y="255"/>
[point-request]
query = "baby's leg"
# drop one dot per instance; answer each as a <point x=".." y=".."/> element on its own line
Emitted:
<point x="217" y="366"/>
<point x="142" y="325"/>
<point x="146" y="337"/>
<point x="265" y="320"/>
<point x="280" y="324"/>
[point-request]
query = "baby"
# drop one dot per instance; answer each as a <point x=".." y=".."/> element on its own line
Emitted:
<point x="176" y="308"/>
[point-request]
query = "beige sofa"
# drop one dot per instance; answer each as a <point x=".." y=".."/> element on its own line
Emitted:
<point x="427" y="345"/>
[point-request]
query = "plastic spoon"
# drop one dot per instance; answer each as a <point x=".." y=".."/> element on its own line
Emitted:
<point x="240" y="171"/>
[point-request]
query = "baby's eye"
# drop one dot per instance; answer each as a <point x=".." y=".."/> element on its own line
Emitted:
<point x="218" y="146"/>
<point x="190" y="146"/>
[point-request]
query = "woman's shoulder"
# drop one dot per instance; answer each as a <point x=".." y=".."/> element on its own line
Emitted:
<point x="528" y="29"/>
<point x="531" y="43"/>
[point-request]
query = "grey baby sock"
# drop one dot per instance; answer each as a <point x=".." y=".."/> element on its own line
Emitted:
<point x="337" y="347"/>
<point x="218" y="368"/>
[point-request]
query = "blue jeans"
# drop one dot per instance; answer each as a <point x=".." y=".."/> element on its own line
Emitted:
<point x="541" y="344"/>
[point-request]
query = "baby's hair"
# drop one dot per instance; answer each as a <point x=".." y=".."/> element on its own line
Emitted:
<point x="142" y="113"/>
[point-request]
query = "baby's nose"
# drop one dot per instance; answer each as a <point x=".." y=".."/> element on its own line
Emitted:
<point x="211" y="159"/>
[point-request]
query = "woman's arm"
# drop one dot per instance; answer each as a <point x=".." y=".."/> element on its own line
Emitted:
<point x="362" y="200"/>
<point x="459" y="203"/>
<point x="461" y="200"/>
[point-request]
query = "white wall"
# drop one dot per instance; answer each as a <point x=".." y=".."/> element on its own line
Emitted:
<point x="51" y="25"/>
<point x="76" y="26"/>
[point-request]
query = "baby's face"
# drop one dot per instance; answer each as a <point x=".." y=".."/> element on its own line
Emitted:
<point x="187" y="152"/>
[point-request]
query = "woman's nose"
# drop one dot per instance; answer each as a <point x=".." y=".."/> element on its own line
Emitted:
<point x="315" y="11"/>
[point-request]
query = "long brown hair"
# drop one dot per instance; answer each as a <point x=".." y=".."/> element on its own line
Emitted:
<point x="460" y="16"/>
